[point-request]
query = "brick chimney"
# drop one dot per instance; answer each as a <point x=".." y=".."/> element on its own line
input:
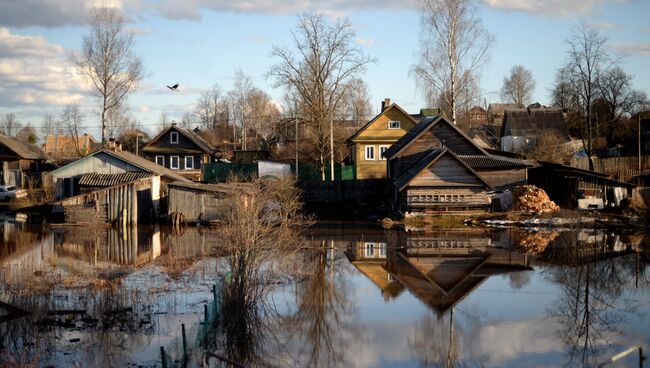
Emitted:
<point x="385" y="103"/>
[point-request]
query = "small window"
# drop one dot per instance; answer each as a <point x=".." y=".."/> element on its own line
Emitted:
<point x="370" y="152"/>
<point x="173" y="137"/>
<point x="382" y="250"/>
<point x="173" y="162"/>
<point x="435" y="198"/>
<point x="189" y="162"/>
<point x="160" y="160"/>
<point x="369" y="249"/>
<point x="393" y="124"/>
<point x="382" y="149"/>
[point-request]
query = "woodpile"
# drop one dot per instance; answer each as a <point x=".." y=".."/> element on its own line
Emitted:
<point x="530" y="198"/>
<point x="536" y="242"/>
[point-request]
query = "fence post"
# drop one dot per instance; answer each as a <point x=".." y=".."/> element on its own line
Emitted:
<point x="184" y="343"/>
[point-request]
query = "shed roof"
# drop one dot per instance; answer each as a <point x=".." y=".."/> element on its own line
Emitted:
<point x="218" y="188"/>
<point x="493" y="162"/>
<point x="108" y="180"/>
<point x="22" y="150"/>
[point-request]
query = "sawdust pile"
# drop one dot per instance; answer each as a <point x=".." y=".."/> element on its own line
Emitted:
<point x="536" y="242"/>
<point x="530" y="198"/>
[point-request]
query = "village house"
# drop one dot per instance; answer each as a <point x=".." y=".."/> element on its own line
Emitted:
<point x="369" y="143"/>
<point x="436" y="166"/>
<point x="477" y="116"/>
<point x="69" y="148"/>
<point x="180" y="150"/>
<point x="105" y="168"/>
<point x="22" y="163"/>
<point x="523" y="128"/>
<point x="496" y="112"/>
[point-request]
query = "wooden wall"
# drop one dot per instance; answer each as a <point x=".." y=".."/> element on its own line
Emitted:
<point x="445" y="171"/>
<point x="504" y="178"/>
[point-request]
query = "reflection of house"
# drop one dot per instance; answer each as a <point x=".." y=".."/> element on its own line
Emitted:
<point x="453" y="161"/>
<point x="65" y="180"/>
<point x="369" y="143"/>
<point x="20" y="162"/>
<point x="440" y="274"/>
<point x="181" y="150"/>
<point x="522" y="128"/>
<point x="67" y="147"/>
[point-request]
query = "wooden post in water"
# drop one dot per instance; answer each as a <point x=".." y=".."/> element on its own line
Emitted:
<point x="205" y="314"/>
<point x="162" y="356"/>
<point x="184" y="343"/>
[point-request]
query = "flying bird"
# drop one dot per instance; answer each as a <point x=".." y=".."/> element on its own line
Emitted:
<point x="174" y="87"/>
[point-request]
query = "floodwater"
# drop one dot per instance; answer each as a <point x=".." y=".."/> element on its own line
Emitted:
<point x="355" y="296"/>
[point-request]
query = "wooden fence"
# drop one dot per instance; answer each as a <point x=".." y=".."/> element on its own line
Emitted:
<point x="623" y="168"/>
<point x="346" y="191"/>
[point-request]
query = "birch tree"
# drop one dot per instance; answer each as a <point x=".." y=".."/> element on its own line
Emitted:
<point x="325" y="59"/>
<point x="107" y="59"/>
<point x="454" y="46"/>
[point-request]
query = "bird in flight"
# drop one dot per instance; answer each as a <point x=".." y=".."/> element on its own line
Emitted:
<point x="174" y="87"/>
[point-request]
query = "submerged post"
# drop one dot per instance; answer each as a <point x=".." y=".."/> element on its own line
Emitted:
<point x="184" y="343"/>
<point x="162" y="356"/>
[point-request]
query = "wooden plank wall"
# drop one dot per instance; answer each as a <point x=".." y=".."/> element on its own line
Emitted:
<point x="346" y="191"/>
<point x="622" y="168"/>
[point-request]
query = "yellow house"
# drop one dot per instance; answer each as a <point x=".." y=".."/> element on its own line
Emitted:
<point x="369" y="142"/>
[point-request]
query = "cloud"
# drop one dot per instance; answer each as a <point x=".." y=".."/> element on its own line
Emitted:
<point x="36" y="72"/>
<point x="604" y="26"/>
<point x="636" y="49"/>
<point x="549" y="7"/>
<point x="257" y="39"/>
<point x="365" y="41"/>
<point x="144" y="108"/>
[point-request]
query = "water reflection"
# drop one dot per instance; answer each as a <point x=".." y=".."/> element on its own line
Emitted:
<point x="351" y="296"/>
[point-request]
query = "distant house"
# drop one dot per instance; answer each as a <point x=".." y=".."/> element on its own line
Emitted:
<point x="67" y="180"/>
<point x="369" y="143"/>
<point x="453" y="163"/>
<point x="496" y="112"/>
<point x="477" y="116"/>
<point x="68" y="148"/>
<point x="180" y="150"/>
<point x="21" y="163"/>
<point x="522" y="128"/>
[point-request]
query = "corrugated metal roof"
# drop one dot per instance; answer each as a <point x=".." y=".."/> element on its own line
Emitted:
<point x="108" y="180"/>
<point x="493" y="162"/>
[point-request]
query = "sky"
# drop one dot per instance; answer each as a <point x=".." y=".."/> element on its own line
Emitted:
<point x="200" y="43"/>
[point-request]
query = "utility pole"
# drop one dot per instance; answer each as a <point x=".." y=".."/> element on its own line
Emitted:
<point x="137" y="136"/>
<point x="332" y="148"/>
<point x="639" y="137"/>
<point x="295" y="120"/>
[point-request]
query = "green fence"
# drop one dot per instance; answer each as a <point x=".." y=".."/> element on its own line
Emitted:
<point x="220" y="172"/>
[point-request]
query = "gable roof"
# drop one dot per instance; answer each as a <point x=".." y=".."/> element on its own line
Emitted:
<point x="391" y="106"/>
<point x="525" y="122"/>
<point x="425" y="125"/>
<point x="23" y="150"/>
<point x="187" y="133"/>
<point x="131" y="159"/>
<point x="500" y="108"/>
<point x="425" y="162"/>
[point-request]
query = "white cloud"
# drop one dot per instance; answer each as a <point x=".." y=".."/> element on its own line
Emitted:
<point x="605" y="26"/>
<point x="365" y="41"/>
<point x="36" y="72"/>
<point x="549" y="7"/>
<point x="144" y="108"/>
<point x="630" y="48"/>
<point x="257" y="39"/>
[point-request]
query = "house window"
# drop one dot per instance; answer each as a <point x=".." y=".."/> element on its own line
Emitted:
<point x="382" y="250"/>
<point x="393" y="124"/>
<point x="160" y="160"/>
<point x="369" y="249"/>
<point x="173" y="137"/>
<point x="370" y="152"/>
<point x="173" y="162"/>
<point x="189" y="162"/>
<point x="382" y="149"/>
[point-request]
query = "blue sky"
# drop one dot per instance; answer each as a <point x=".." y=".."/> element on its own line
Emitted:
<point x="198" y="43"/>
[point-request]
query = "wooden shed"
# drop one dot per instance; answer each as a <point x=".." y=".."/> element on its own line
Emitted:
<point x="201" y="202"/>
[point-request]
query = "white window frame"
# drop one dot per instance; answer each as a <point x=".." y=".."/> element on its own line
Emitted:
<point x="191" y="161"/>
<point x="382" y="250"/>
<point x="160" y="157"/>
<point x="173" y="135"/>
<point x="382" y="149"/>
<point x="369" y="249"/>
<point x="171" y="162"/>
<point x="366" y="150"/>
<point x="397" y="126"/>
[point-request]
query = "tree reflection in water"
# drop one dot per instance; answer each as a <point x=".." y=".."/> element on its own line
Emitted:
<point x="592" y="278"/>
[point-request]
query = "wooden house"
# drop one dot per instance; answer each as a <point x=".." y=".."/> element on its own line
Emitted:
<point x="496" y="112"/>
<point x="422" y="148"/>
<point x="69" y="148"/>
<point x="180" y="150"/>
<point x="369" y="143"/>
<point x="66" y="179"/>
<point x="522" y="128"/>
<point x="22" y="164"/>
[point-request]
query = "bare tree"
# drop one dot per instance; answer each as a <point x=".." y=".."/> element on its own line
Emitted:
<point x="119" y="121"/>
<point x="264" y="114"/>
<point x="357" y="102"/>
<point x="50" y="126"/>
<point x="71" y="120"/>
<point x="326" y="60"/>
<point x="10" y="124"/>
<point x="212" y="109"/>
<point x="618" y="97"/>
<point x="518" y="87"/>
<point x="587" y="60"/>
<point x="27" y="134"/>
<point x="550" y="147"/>
<point x="163" y="120"/>
<point x="107" y="59"/>
<point x="454" y="47"/>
